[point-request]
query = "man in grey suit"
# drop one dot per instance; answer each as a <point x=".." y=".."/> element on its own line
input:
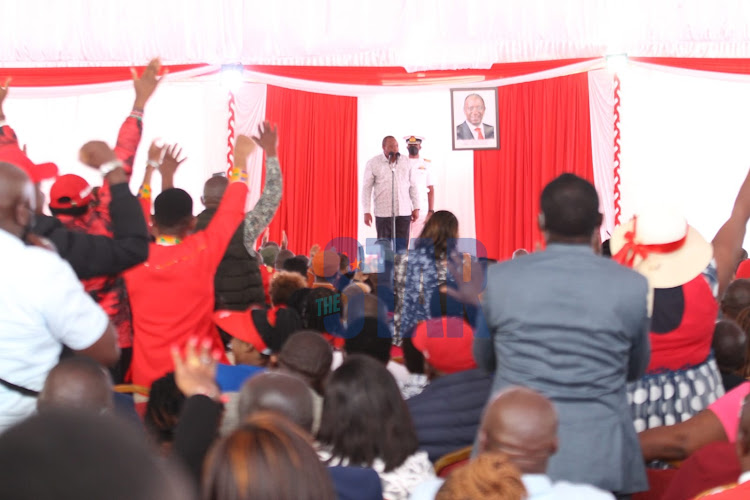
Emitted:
<point x="473" y="128"/>
<point x="573" y="326"/>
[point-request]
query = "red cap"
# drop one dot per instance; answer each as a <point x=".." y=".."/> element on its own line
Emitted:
<point x="11" y="153"/>
<point x="69" y="191"/>
<point x="264" y="329"/>
<point x="446" y="343"/>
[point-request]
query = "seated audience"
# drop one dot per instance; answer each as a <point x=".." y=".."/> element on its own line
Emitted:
<point x="283" y="285"/>
<point x="308" y="356"/>
<point x="257" y="338"/>
<point x="182" y="265"/>
<point x="77" y="383"/>
<point x="735" y="299"/>
<point x="729" y="346"/>
<point x="491" y="476"/>
<point x="366" y="423"/>
<point x="163" y="410"/>
<point x="74" y="456"/>
<point x="522" y="424"/>
<point x="446" y="413"/>
<point x="43" y="306"/>
<point x="281" y="258"/>
<point x="371" y="336"/>
<point x="267" y="458"/>
<point x="297" y="264"/>
<point x="276" y="392"/>
<point x="325" y="268"/>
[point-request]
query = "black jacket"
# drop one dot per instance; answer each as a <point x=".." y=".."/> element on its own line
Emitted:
<point x="94" y="255"/>
<point x="446" y="414"/>
<point x="238" y="282"/>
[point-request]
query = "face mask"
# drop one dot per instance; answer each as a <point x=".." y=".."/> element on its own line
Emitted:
<point x="413" y="150"/>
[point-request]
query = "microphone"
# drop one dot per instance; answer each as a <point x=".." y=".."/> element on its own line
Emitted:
<point x="393" y="157"/>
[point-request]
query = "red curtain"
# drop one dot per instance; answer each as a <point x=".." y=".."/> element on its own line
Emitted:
<point x="545" y="130"/>
<point x="318" y="155"/>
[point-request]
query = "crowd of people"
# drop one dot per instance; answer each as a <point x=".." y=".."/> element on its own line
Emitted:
<point x="149" y="353"/>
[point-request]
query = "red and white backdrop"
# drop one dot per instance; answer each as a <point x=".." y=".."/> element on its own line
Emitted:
<point x="336" y="87"/>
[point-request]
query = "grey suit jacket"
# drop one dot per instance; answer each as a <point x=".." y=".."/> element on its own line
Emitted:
<point x="463" y="131"/>
<point x="573" y="326"/>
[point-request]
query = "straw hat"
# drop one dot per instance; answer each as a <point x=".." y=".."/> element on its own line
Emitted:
<point x="662" y="246"/>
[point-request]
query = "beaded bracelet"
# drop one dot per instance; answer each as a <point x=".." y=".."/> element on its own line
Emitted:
<point x="145" y="191"/>
<point x="237" y="174"/>
<point x="137" y="114"/>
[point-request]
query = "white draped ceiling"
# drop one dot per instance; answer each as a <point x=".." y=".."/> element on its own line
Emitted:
<point x="415" y="34"/>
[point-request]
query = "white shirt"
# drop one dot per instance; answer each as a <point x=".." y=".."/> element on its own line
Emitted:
<point x="377" y="186"/>
<point x="42" y="306"/>
<point x="422" y="172"/>
<point x="538" y="487"/>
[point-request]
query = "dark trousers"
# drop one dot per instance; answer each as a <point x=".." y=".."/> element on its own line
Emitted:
<point x="384" y="227"/>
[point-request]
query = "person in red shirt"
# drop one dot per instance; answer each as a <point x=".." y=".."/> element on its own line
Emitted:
<point x="172" y="293"/>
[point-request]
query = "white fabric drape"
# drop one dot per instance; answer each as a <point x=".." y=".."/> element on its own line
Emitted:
<point x="601" y="110"/>
<point x="415" y="34"/>
<point x="684" y="145"/>
<point x="250" y="108"/>
<point x="191" y="114"/>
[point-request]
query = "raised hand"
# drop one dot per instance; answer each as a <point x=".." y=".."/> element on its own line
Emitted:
<point x="4" y="90"/>
<point x="195" y="373"/>
<point x="155" y="152"/>
<point x="96" y="153"/>
<point x="469" y="288"/>
<point x="146" y="84"/>
<point x="267" y="138"/>
<point x="284" y="240"/>
<point x="171" y="160"/>
<point x="243" y="147"/>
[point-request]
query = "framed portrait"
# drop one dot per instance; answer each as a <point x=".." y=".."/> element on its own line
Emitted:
<point x="474" y="118"/>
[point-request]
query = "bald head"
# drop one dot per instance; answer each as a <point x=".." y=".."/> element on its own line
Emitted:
<point x="16" y="199"/>
<point x="213" y="191"/>
<point x="77" y="383"/>
<point x="736" y="298"/>
<point x="523" y="424"/>
<point x="278" y="392"/>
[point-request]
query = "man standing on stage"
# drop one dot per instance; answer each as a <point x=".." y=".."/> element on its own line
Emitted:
<point x="422" y="172"/>
<point x="386" y="174"/>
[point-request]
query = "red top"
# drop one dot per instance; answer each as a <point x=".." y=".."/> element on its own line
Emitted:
<point x="690" y="343"/>
<point x="172" y="293"/>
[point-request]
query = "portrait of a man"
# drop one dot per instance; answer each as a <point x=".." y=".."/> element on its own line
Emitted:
<point x="475" y="124"/>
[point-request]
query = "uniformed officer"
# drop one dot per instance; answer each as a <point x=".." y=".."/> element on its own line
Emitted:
<point x="422" y="171"/>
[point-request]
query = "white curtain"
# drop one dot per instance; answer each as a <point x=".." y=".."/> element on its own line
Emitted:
<point x="191" y="114"/>
<point x="415" y="34"/>
<point x="684" y="144"/>
<point x="601" y="110"/>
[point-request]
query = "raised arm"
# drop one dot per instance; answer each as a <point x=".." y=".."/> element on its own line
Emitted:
<point x="260" y="216"/>
<point x="728" y="241"/>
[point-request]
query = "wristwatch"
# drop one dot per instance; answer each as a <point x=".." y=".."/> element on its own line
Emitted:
<point x="106" y="168"/>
